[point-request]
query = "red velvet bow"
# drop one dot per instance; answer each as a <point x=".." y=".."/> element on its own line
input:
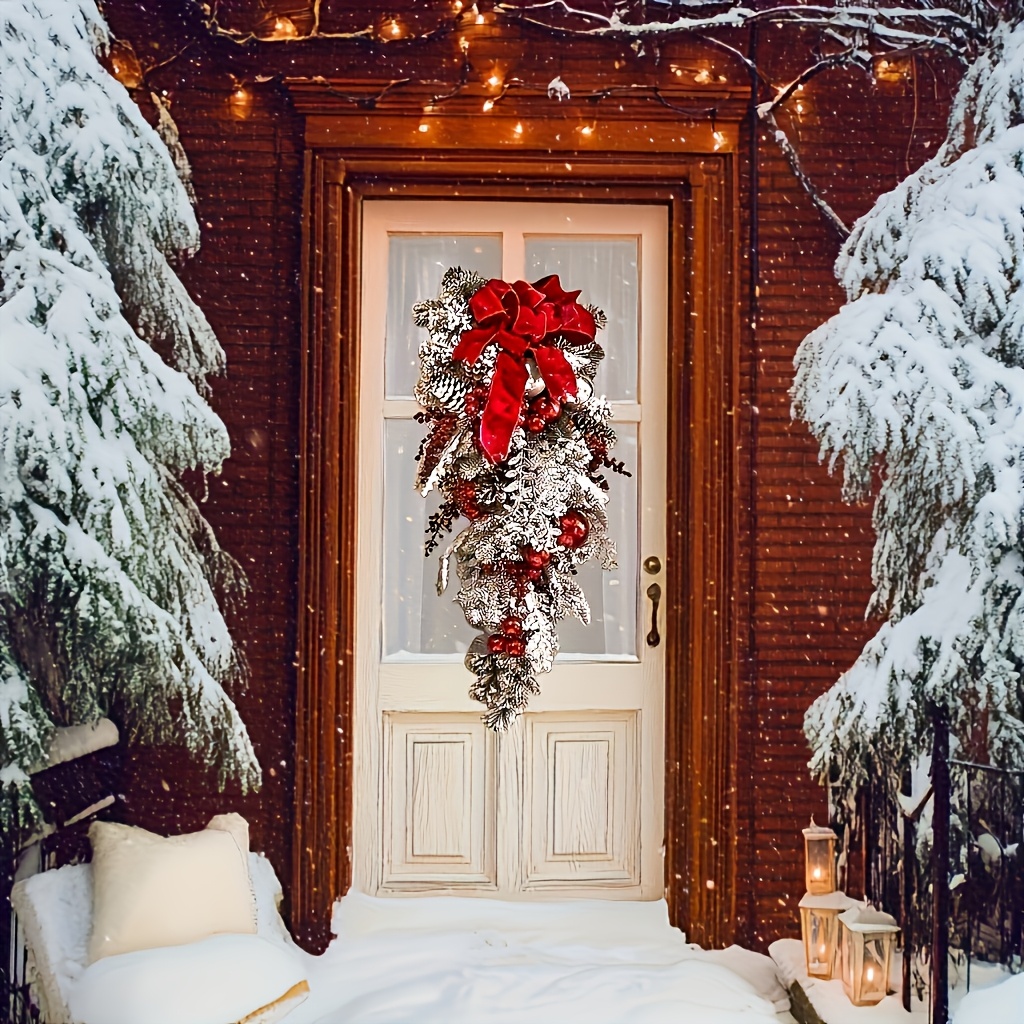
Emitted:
<point x="522" y="319"/>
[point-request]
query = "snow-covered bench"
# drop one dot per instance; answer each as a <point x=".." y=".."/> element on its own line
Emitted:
<point x="55" y="912"/>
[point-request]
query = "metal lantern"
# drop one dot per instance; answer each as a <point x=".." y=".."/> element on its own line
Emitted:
<point x="865" y="953"/>
<point x="819" y="926"/>
<point x="820" y="859"/>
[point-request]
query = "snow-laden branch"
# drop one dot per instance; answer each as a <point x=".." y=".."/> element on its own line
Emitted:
<point x="921" y="373"/>
<point x="109" y="575"/>
<point x="894" y="26"/>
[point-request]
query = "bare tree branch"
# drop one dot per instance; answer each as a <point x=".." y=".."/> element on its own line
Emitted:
<point x="834" y="221"/>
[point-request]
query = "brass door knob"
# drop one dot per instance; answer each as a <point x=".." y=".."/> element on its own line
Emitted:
<point x="652" y="565"/>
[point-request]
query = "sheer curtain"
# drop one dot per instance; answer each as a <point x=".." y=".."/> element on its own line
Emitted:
<point x="417" y="623"/>
<point x="607" y="270"/>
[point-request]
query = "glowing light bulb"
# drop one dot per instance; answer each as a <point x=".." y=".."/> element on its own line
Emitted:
<point x="586" y="129"/>
<point x="124" y="65"/>
<point x="495" y="80"/>
<point x="457" y="6"/>
<point x="240" y="102"/>
<point x="518" y="129"/>
<point x="488" y="105"/>
<point x="816" y="873"/>
<point x="870" y="974"/>
<point x="423" y="128"/>
<point x="703" y="76"/>
<point x="283" y="28"/>
<point x="719" y="142"/>
<point x="390" y="28"/>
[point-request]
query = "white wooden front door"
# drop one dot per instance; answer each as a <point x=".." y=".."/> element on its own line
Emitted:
<point x="570" y="800"/>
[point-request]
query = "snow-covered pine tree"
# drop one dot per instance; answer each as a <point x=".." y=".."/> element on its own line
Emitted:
<point x="108" y="571"/>
<point x="918" y="385"/>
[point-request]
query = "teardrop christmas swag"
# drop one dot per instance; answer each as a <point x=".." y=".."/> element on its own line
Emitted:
<point x="516" y="444"/>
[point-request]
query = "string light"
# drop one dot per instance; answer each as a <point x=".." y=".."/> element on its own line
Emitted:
<point x="423" y="127"/>
<point x="494" y="80"/>
<point x="488" y="105"/>
<point x="240" y="101"/>
<point x="390" y="28"/>
<point x="586" y="130"/>
<point x="518" y="129"/>
<point x="124" y="65"/>
<point x="282" y="28"/>
<point x="719" y="139"/>
<point x="703" y="77"/>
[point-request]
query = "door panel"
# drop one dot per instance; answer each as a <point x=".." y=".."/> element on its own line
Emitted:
<point x="583" y="822"/>
<point x="439" y="801"/>
<point x="570" y="799"/>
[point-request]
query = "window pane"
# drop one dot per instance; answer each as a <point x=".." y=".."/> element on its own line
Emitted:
<point x="416" y="264"/>
<point x="607" y="271"/>
<point x="612" y="595"/>
<point x="416" y="620"/>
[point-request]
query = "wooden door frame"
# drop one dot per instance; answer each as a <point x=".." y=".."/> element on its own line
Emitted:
<point x="701" y="629"/>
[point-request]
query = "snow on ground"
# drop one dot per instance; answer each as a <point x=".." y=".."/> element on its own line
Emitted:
<point x="1002" y="1002"/>
<point x="452" y="960"/>
<point x="994" y="998"/>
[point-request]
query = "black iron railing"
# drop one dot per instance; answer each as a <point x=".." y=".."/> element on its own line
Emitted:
<point x="949" y="864"/>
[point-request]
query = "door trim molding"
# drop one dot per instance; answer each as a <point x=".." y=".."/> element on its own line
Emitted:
<point x="701" y="626"/>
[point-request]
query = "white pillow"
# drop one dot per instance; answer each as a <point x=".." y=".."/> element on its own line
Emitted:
<point x="151" y="891"/>
<point x="218" y="980"/>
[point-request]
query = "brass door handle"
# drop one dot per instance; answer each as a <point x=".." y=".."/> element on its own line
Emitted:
<point x="654" y="593"/>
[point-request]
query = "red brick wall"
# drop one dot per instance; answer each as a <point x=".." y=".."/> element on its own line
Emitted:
<point x="248" y="178"/>
<point x="812" y="554"/>
<point x="806" y="557"/>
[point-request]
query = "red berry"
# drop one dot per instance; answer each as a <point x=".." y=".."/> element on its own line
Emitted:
<point x="511" y="626"/>
<point x="471" y="405"/>
<point x="547" y="408"/>
<point x="534" y="423"/>
<point x="536" y="559"/>
<point x="567" y="540"/>
<point x="496" y="643"/>
<point x="515" y="648"/>
<point x="575" y="523"/>
<point x="533" y="574"/>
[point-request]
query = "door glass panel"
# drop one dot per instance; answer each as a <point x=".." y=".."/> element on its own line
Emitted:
<point x="607" y="271"/>
<point x="612" y="633"/>
<point x="416" y="264"/>
<point x="416" y="621"/>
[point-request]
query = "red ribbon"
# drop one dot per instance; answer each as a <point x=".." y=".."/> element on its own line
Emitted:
<point x="522" y="319"/>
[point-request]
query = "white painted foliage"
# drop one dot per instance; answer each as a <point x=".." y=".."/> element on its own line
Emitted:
<point x="917" y="384"/>
<point x="108" y="571"/>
